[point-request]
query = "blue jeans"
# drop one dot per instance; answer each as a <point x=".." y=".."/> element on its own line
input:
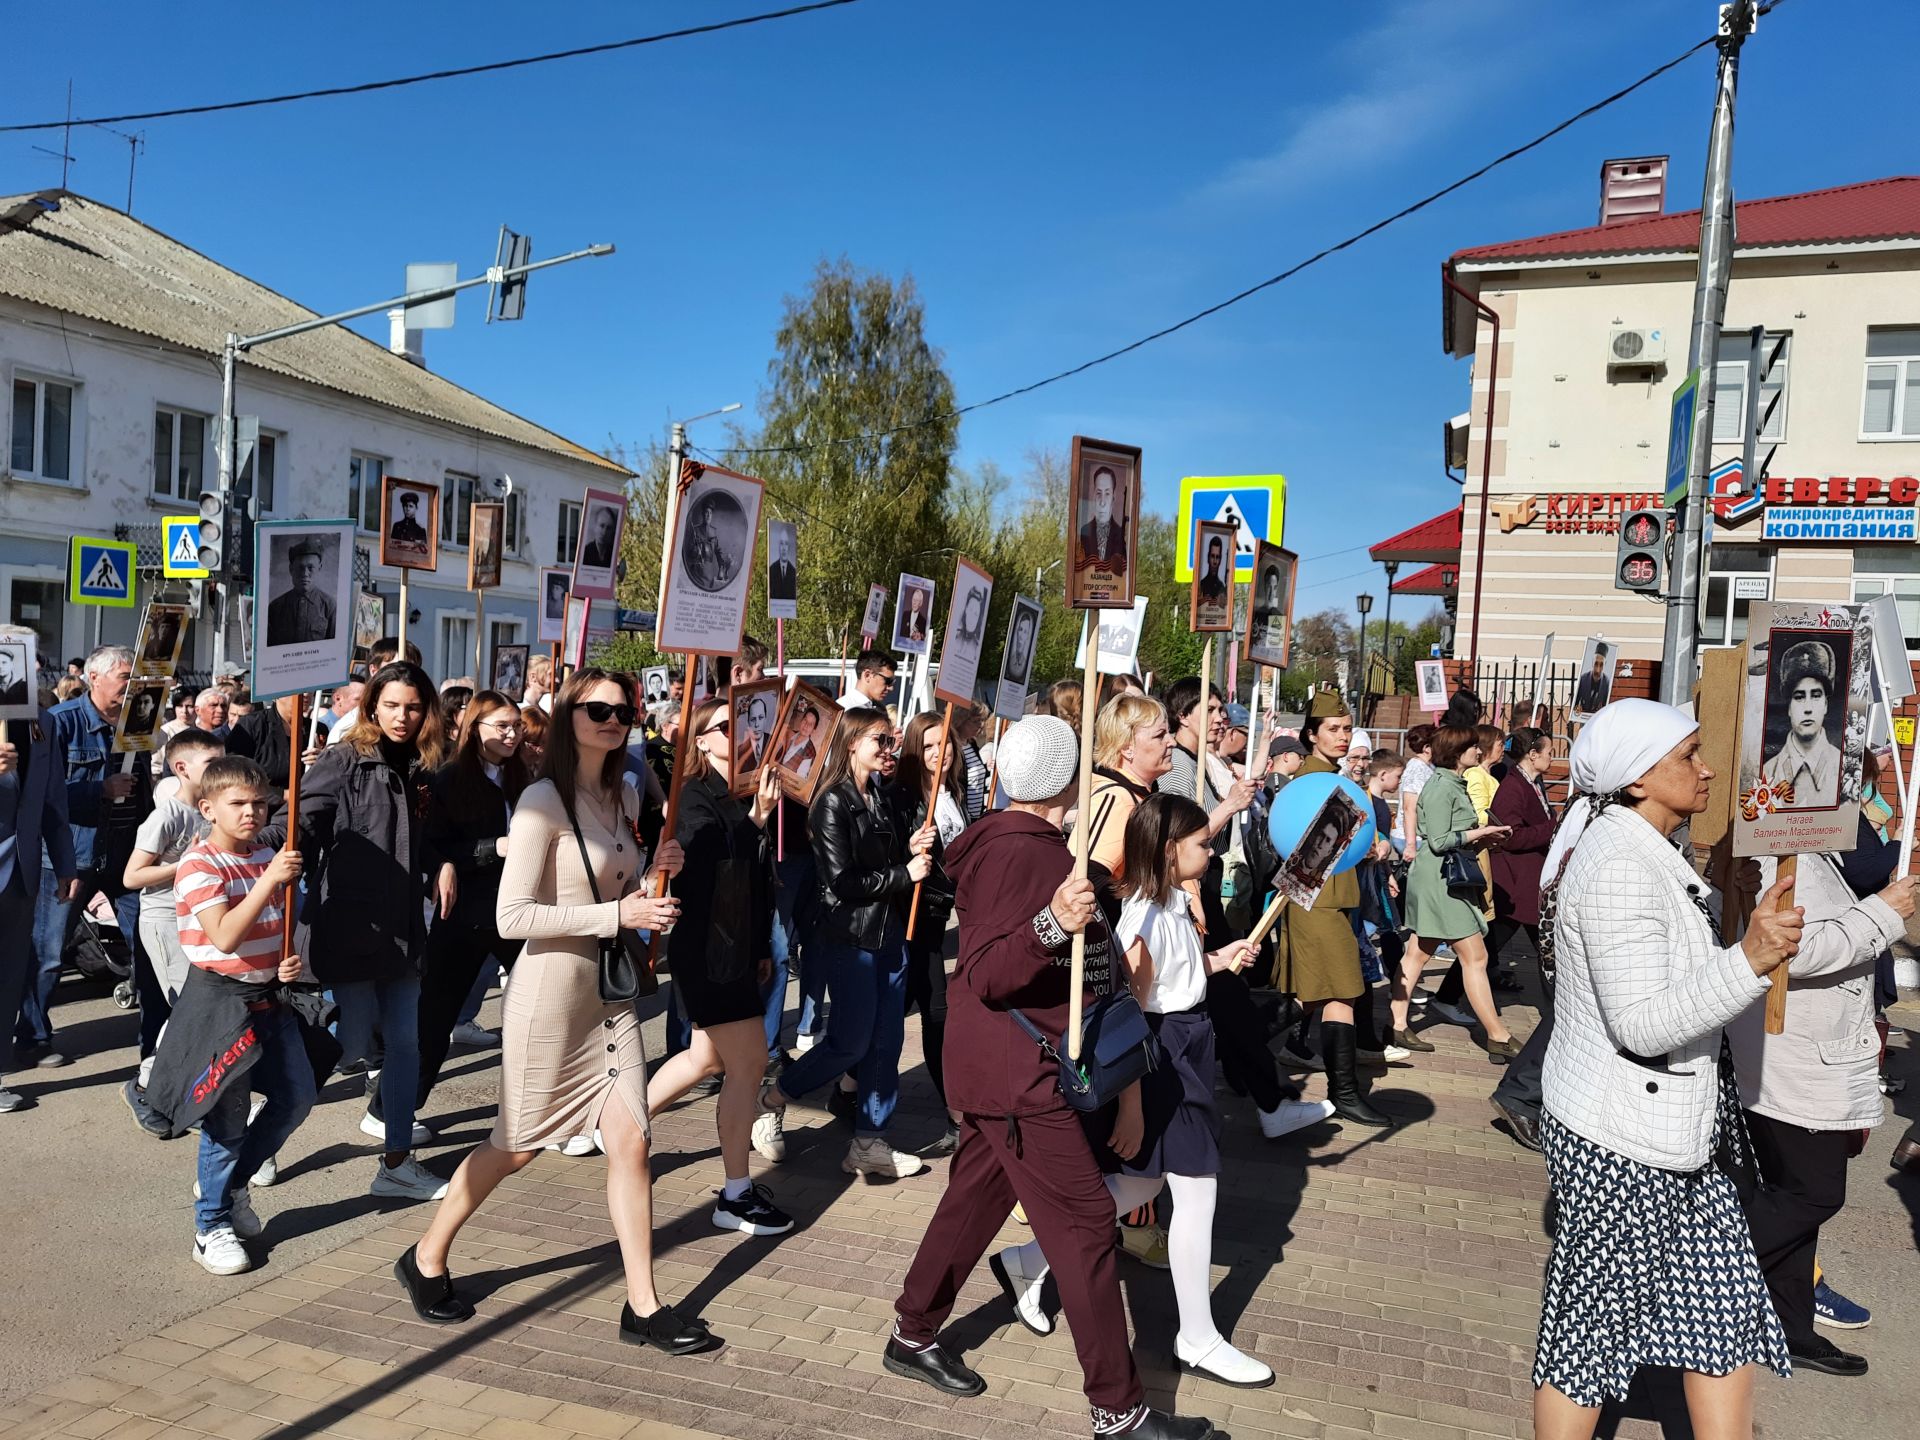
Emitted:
<point x="865" y="1030"/>
<point x="52" y="922"/>
<point x="679" y="1027"/>
<point x="229" y="1146"/>
<point x="395" y="1006"/>
<point x="794" y="902"/>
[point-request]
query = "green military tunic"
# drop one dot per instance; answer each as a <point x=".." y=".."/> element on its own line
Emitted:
<point x="1317" y="957"/>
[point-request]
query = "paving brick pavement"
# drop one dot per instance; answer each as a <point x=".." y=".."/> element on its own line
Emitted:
<point x="1391" y="1280"/>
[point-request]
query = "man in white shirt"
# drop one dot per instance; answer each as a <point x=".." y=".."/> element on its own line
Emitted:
<point x="873" y="676"/>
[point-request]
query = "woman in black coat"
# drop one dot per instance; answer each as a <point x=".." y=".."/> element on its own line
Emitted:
<point x="362" y="827"/>
<point x="720" y="954"/>
<point x="470" y="801"/>
<point x="914" y="791"/>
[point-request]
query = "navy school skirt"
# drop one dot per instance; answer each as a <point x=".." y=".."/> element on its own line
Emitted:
<point x="1181" y="1133"/>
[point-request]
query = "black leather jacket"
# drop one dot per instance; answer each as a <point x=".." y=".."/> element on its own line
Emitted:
<point x="861" y="852"/>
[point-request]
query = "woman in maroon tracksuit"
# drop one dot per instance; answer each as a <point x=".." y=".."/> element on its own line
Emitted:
<point x="1019" y="907"/>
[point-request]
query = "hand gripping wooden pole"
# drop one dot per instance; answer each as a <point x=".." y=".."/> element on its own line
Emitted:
<point x="1777" y="991"/>
<point x="682" y="744"/>
<point x="1082" y="837"/>
<point x="933" y="796"/>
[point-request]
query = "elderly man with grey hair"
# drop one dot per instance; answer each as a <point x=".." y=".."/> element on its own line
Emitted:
<point x="105" y="801"/>
<point x="212" y="708"/>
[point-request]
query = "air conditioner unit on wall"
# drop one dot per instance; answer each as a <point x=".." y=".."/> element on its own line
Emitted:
<point x="1633" y="347"/>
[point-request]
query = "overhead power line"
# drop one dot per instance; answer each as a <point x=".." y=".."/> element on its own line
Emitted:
<point x="1272" y="280"/>
<point x="491" y="67"/>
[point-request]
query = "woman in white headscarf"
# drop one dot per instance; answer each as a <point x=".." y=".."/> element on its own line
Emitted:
<point x="1652" y="1263"/>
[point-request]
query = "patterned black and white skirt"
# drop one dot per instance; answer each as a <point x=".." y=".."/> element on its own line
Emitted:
<point x="1649" y="1267"/>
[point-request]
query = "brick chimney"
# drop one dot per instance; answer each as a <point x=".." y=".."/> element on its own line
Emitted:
<point x="1632" y="189"/>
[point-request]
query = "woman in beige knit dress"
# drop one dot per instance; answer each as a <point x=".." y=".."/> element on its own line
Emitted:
<point x="570" y="1064"/>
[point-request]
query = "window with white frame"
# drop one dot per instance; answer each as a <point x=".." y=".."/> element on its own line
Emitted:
<point x="456" y="508"/>
<point x="1891" y="407"/>
<point x="1891" y="570"/>
<point x="567" y="534"/>
<point x="43" y="424"/>
<point x="179" y="454"/>
<point x="456" y="644"/>
<point x="364" y="474"/>
<point x="261" y="468"/>
<point x="516" y="524"/>
<point x="1730" y="386"/>
<point x="1737" y="575"/>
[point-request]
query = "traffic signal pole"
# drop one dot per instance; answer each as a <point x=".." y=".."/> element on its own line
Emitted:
<point x="1682" y="639"/>
<point x="236" y="345"/>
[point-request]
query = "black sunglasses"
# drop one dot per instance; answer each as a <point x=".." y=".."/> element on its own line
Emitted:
<point x="599" y="711"/>
<point x="719" y="727"/>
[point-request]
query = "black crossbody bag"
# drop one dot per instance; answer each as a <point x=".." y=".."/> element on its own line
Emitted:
<point x="625" y="972"/>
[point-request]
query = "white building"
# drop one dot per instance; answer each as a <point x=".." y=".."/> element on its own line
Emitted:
<point x="110" y="343"/>
<point x="1593" y="335"/>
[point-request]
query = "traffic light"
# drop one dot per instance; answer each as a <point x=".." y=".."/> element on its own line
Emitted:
<point x="1641" y="555"/>
<point x="213" y="534"/>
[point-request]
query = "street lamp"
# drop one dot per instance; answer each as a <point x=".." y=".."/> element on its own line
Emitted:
<point x="1386" y="620"/>
<point x="1363" y="602"/>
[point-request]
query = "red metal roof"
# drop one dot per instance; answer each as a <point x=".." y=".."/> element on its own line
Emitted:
<point x="1432" y="541"/>
<point x="1441" y="580"/>
<point x="1872" y="210"/>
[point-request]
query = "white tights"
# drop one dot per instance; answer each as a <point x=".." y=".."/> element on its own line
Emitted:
<point x="1189" y="1246"/>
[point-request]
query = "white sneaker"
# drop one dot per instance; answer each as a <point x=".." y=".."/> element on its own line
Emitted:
<point x="770" y="1136"/>
<point x="1388" y="1051"/>
<point x="473" y="1034"/>
<point x="1220" y="1361"/>
<point x="219" y="1252"/>
<point x="1452" y="1014"/>
<point x="874" y="1159"/>
<point x="378" y="1129"/>
<point x="575" y="1146"/>
<point x="268" y="1173"/>
<point x="409" y="1180"/>
<point x="1023" y="1289"/>
<point x="240" y="1214"/>
<point x="804" y="1043"/>
<point x="1291" y="1115"/>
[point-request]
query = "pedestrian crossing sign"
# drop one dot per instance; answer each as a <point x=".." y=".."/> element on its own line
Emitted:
<point x="100" y="572"/>
<point x="180" y="548"/>
<point x="1255" y="505"/>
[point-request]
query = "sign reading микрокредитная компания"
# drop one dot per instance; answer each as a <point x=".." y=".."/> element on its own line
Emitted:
<point x="1841" y="522"/>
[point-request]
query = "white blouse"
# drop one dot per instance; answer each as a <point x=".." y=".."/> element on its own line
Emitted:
<point x="1173" y="943"/>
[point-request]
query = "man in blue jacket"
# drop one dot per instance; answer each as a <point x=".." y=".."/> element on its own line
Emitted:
<point x="33" y="809"/>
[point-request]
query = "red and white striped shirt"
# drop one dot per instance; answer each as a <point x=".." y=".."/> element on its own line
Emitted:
<point x="208" y="876"/>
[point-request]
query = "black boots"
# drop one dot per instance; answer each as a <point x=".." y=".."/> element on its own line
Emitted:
<point x="1338" y="1044"/>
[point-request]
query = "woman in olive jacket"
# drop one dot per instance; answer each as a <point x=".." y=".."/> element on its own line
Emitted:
<point x="868" y="865"/>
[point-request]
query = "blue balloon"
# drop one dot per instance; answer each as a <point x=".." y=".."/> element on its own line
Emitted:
<point x="1297" y="804"/>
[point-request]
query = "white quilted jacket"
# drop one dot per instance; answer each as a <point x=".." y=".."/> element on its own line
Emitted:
<point x="1639" y="975"/>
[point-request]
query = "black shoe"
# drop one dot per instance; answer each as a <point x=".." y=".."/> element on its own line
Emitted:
<point x="1343" y="1080"/>
<point x="945" y="1145"/>
<point x="843" y="1105"/>
<point x="433" y="1296"/>
<point x="702" y="1089"/>
<point x="1523" y="1127"/>
<point x="1820" y="1353"/>
<point x="1173" y="1427"/>
<point x="39" y="1057"/>
<point x="932" y="1366"/>
<point x="665" y="1329"/>
<point x="143" y="1115"/>
<point x="754" y="1213"/>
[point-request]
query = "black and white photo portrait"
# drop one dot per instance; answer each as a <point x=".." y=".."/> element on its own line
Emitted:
<point x="486" y="538"/>
<point x="966" y="634"/>
<point x="603" y="516"/>
<point x="752" y="710"/>
<point x="1270" y="616"/>
<point x="1806" y="717"/>
<point x="870" y="621"/>
<point x="301" y="608"/>
<point x="1595" y="686"/>
<point x="709" y="562"/>
<point x="302" y="621"/>
<point x="783" y="575"/>
<point x="656" y="687"/>
<point x="163" y="631"/>
<point x="19" y="686"/>
<point x="1106" y="493"/>
<point x="141" y="715"/>
<point x="556" y="584"/>
<point x="913" y="615"/>
<point x="1212" y="606"/>
<point x="1305" y="871"/>
<point x="715" y="541"/>
<point x="510" y="671"/>
<point x="410" y="530"/>
<point x="369" y="620"/>
<point x="1016" y="660"/>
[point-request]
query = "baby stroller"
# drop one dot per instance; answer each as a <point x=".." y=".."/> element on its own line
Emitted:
<point x="96" y="950"/>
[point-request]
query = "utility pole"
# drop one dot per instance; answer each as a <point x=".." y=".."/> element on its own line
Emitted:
<point x="1709" y="311"/>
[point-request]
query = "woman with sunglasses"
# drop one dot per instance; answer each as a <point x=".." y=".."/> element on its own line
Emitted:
<point x="722" y="955"/>
<point x="469" y="804"/>
<point x="868" y="865"/>
<point x="570" y="1063"/>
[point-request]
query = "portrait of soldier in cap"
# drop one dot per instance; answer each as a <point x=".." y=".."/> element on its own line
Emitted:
<point x="1806" y="705"/>
<point x="302" y="612"/>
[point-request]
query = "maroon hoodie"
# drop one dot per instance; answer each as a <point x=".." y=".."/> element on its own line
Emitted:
<point x="1005" y="869"/>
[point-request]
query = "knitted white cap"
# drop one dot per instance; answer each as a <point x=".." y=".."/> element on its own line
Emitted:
<point x="1038" y="757"/>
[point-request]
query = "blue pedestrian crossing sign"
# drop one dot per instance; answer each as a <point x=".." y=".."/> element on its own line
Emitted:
<point x="100" y="572"/>
<point x="180" y="548"/>
<point x="1255" y="505"/>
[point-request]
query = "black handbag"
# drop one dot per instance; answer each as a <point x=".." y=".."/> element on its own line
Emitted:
<point x="1117" y="1047"/>
<point x="1464" y="879"/>
<point x="625" y="970"/>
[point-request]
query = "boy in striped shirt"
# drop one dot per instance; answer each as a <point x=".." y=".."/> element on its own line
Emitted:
<point x="230" y="904"/>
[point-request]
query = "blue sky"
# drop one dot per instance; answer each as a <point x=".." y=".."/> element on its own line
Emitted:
<point x="1059" y="178"/>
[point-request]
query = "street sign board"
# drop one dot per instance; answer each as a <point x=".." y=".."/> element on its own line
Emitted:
<point x="1255" y="505"/>
<point x="1680" y="439"/>
<point x="180" y="548"/>
<point x="100" y="572"/>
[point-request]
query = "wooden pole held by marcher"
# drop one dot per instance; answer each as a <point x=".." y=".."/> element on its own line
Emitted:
<point x="993" y="773"/>
<point x="1789" y="873"/>
<point x="681" y="740"/>
<point x="293" y="822"/>
<point x="1268" y="920"/>
<point x="313" y="724"/>
<point x="933" y="798"/>
<point x="1202" y="720"/>
<point x="406" y="606"/>
<point x="780" y="809"/>
<point x="1082" y="843"/>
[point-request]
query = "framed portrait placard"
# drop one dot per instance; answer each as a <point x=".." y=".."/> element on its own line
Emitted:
<point x="19" y="673"/>
<point x="1120" y="635"/>
<point x="1016" y="660"/>
<point x="369" y="621"/>
<point x="656" y="684"/>
<point x="486" y="542"/>
<point x="142" y="713"/>
<point x="783" y="572"/>
<point x="556" y="584"/>
<point x="1803" y="729"/>
<point x="1212" y="608"/>
<point x="808" y="721"/>
<point x="709" y="562"/>
<point x="1270" y="613"/>
<point x="573" y="645"/>
<point x="1430" y="681"/>
<point x="966" y="633"/>
<point x="913" y="615"/>
<point x="303" y="633"/>
<point x="163" y="631"/>
<point x="1105" y="533"/>
<point x="752" y="711"/>
<point x="409" y="524"/>
<point x="1593" y="686"/>
<point x="510" y="671"/>
<point x="1308" y="867"/>
<point x="870" y="621"/>
<point x="603" y="517"/>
